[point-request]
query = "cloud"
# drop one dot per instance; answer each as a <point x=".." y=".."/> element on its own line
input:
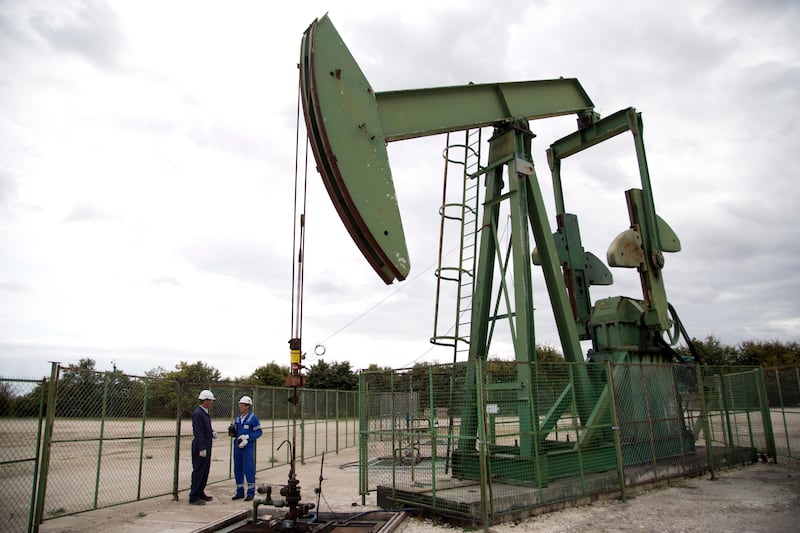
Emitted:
<point x="8" y="187"/>
<point x="229" y="137"/>
<point x="90" y="30"/>
<point x="249" y="262"/>
<point x="86" y="213"/>
<point x="168" y="281"/>
<point x="167" y="143"/>
<point x="15" y="286"/>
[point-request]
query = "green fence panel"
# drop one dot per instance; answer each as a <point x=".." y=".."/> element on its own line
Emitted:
<point x="528" y="435"/>
<point x="22" y="405"/>
<point x="116" y="438"/>
<point x="783" y="394"/>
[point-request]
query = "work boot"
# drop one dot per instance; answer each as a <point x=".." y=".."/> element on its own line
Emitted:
<point x="249" y="498"/>
<point x="238" y="497"/>
<point x="197" y="502"/>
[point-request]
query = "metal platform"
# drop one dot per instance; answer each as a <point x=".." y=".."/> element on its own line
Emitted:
<point x="464" y="500"/>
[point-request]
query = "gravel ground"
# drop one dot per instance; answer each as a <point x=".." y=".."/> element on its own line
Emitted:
<point x="758" y="498"/>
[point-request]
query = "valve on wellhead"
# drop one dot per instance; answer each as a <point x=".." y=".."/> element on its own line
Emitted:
<point x="267" y="491"/>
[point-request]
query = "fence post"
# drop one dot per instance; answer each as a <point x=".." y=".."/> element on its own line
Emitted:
<point x="393" y="410"/>
<point x="706" y="427"/>
<point x="302" y="426"/>
<point x="725" y="408"/>
<point x="103" y="413"/>
<point x="745" y="390"/>
<point x="316" y="419"/>
<point x="362" y="438"/>
<point x="337" y="421"/>
<point x="176" y="467"/>
<point x="327" y="414"/>
<point x="766" y="414"/>
<point x="615" y="428"/>
<point x="233" y="411"/>
<point x="48" y="437"/>
<point x="141" y="440"/>
<point x="783" y="411"/>
<point x="483" y="452"/>
<point x="432" y="427"/>
<point x="272" y="430"/>
<point x="37" y="456"/>
<point x="254" y="397"/>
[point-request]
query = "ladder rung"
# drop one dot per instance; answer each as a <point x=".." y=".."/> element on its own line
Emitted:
<point x="447" y="340"/>
<point x="465" y="212"/>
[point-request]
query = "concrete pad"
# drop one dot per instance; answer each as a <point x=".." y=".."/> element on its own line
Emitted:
<point x="165" y="515"/>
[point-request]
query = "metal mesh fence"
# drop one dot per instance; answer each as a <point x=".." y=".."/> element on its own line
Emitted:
<point x="783" y="393"/>
<point x="21" y="425"/>
<point x="103" y="438"/>
<point x="737" y="413"/>
<point x="115" y="438"/>
<point x="492" y="441"/>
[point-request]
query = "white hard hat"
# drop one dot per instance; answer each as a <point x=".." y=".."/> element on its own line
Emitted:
<point x="246" y="399"/>
<point x="205" y="394"/>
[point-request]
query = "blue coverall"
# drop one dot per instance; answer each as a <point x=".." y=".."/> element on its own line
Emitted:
<point x="244" y="460"/>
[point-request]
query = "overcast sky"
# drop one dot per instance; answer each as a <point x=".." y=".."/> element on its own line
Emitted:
<point x="147" y="162"/>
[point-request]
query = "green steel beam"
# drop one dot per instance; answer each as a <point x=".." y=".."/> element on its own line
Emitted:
<point x="594" y="133"/>
<point x="557" y="290"/>
<point x="560" y="405"/>
<point x="421" y="112"/>
<point x="524" y="340"/>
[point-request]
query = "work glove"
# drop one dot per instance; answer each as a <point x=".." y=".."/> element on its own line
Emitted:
<point x="203" y="453"/>
<point x="243" y="440"/>
<point x="213" y="434"/>
<point x="232" y="430"/>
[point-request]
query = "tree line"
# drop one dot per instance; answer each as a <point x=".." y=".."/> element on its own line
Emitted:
<point x="770" y="354"/>
<point x="82" y="389"/>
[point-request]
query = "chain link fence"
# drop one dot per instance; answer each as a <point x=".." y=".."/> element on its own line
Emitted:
<point x="84" y="439"/>
<point x="111" y="438"/>
<point x="490" y="442"/>
<point x="21" y="425"/>
<point x="783" y="392"/>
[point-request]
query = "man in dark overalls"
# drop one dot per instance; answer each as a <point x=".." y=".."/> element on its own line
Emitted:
<point x="201" y="449"/>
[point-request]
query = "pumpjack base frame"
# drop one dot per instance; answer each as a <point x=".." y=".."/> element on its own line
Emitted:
<point x="460" y="500"/>
<point x="558" y="463"/>
<point x="554" y="465"/>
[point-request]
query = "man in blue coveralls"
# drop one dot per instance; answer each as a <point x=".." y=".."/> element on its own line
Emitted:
<point x="245" y="430"/>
